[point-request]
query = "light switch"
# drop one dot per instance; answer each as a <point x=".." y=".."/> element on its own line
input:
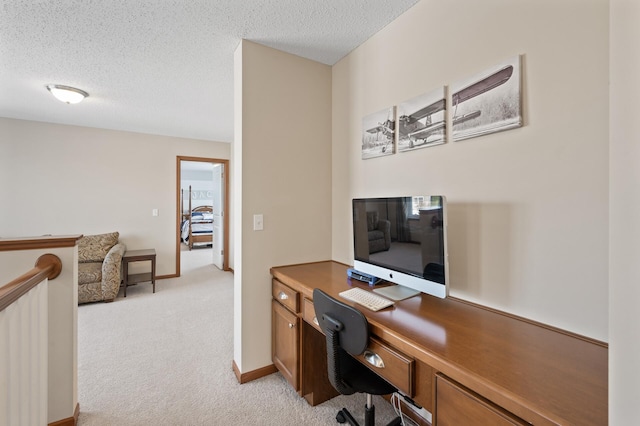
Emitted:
<point x="154" y="212"/>
<point x="258" y="223"/>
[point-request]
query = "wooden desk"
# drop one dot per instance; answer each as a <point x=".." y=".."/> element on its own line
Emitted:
<point x="139" y="256"/>
<point x="468" y="360"/>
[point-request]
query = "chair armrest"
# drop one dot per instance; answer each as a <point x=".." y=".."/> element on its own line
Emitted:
<point x="111" y="271"/>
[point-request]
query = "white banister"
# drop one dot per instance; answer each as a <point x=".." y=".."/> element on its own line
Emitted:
<point x="23" y="359"/>
<point x="25" y="336"/>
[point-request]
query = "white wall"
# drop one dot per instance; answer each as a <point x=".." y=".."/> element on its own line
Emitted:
<point x="528" y="208"/>
<point x="205" y="184"/>
<point x="282" y="163"/>
<point x="203" y="192"/>
<point x="204" y="189"/>
<point x="58" y="179"/>
<point x="624" y="274"/>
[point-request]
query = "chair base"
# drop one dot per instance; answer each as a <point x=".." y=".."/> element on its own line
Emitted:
<point x="344" y="416"/>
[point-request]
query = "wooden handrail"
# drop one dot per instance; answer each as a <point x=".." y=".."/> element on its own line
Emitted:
<point x="47" y="266"/>
<point x="43" y="242"/>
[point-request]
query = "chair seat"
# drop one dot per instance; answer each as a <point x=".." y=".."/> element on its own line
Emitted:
<point x="360" y="378"/>
<point x="89" y="272"/>
<point x="375" y="235"/>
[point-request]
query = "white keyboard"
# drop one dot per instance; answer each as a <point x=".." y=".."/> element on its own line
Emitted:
<point x="366" y="298"/>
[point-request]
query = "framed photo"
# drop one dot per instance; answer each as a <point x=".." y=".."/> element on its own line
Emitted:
<point x="379" y="134"/>
<point x="421" y="121"/>
<point x="488" y="102"/>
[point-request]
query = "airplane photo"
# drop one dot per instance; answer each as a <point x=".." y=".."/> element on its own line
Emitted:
<point x="487" y="103"/>
<point x="378" y="137"/>
<point x="421" y="121"/>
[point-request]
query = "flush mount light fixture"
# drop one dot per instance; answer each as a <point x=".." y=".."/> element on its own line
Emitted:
<point x="69" y="95"/>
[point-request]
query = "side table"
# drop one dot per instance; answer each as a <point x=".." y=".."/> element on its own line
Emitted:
<point x="139" y="256"/>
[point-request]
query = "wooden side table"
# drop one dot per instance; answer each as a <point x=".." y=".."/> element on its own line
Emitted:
<point x="139" y="256"/>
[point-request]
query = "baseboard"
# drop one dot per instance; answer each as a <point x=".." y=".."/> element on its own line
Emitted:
<point x="70" y="421"/>
<point x="164" y="277"/>
<point x="253" y="375"/>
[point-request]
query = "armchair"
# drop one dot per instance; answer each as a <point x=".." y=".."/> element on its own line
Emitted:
<point x="379" y="233"/>
<point x="99" y="267"/>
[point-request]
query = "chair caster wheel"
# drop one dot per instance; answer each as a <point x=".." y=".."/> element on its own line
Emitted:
<point x="340" y="418"/>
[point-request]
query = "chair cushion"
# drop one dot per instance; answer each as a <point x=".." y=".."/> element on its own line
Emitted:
<point x="94" y="248"/>
<point x="89" y="272"/>
<point x="376" y="235"/>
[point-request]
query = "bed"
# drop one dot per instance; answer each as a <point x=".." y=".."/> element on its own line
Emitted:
<point x="197" y="224"/>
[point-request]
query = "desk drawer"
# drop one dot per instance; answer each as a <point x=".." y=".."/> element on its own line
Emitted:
<point x="394" y="366"/>
<point x="285" y="295"/>
<point x="309" y="314"/>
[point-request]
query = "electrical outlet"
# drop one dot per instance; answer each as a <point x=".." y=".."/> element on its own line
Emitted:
<point x="154" y="212"/>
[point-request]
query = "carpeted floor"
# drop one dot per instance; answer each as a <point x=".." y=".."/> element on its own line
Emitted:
<point x="166" y="359"/>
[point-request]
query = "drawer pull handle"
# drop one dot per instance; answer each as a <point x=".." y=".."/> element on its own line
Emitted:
<point x="283" y="296"/>
<point x="315" y="321"/>
<point x="291" y="325"/>
<point x="373" y="359"/>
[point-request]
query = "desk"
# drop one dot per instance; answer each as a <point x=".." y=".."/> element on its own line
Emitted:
<point x="139" y="256"/>
<point x="465" y="359"/>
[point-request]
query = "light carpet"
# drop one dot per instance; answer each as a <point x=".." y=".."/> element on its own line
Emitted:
<point x="166" y="359"/>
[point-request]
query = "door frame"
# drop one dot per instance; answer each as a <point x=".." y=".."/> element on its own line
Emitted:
<point x="225" y="208"/>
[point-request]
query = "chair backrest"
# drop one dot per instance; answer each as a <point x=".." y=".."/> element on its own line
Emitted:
<point x="346" y="330"/>
<point x="348" y="323"/>
<point x="372" y="220"/>
<point x="94" y="248"/>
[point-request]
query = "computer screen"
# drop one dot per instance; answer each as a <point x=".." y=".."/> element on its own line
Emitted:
<point x="403" y="240"/>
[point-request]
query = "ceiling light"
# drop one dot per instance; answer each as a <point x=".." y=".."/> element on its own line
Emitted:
<point x="69" y="95"/>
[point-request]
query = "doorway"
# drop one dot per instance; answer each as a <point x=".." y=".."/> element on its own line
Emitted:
<point x="202" y="193"/>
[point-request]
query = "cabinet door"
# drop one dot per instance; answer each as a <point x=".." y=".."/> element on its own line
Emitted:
<point x="459" y="406"/>
<point x="285" y="343"/>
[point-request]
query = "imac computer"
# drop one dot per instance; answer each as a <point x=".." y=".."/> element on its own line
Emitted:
<point x="402" y="240"/>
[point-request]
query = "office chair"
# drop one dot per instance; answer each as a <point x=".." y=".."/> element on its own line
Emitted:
<point x="347" y="333"/>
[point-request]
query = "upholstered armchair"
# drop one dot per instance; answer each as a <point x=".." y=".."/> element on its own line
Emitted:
<point x="99" y="267"/>
<point x="379" y="232"/>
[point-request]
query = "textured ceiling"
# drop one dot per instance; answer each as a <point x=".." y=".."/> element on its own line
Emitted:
<point x="162" y="66"/>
